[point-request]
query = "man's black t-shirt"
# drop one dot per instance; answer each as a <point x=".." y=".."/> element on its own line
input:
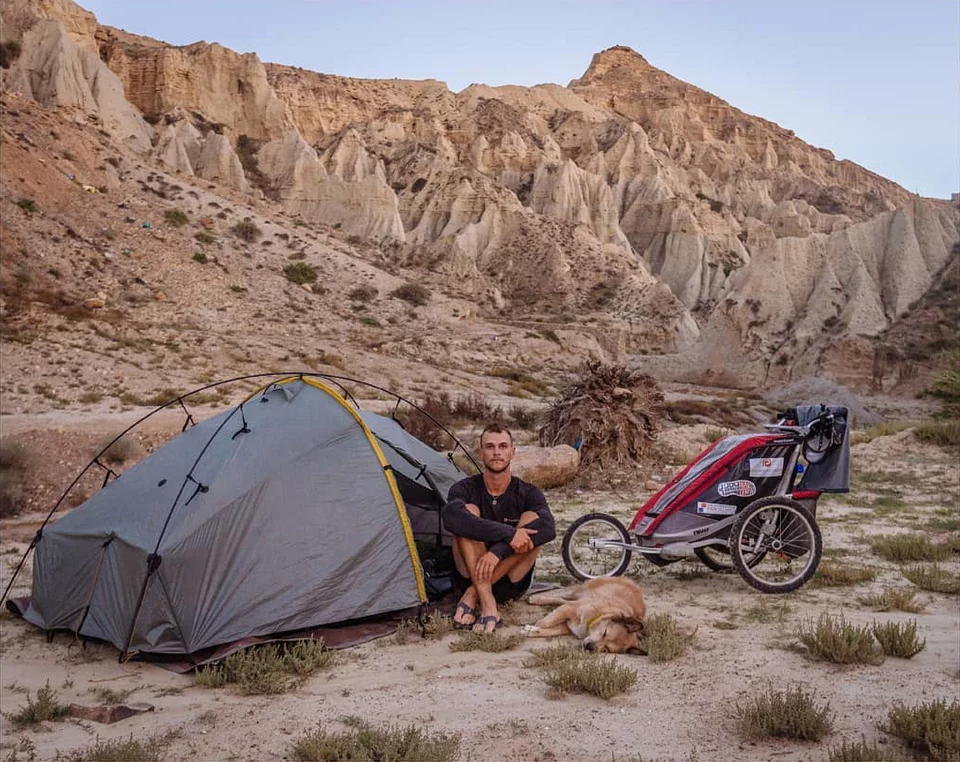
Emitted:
<point x="498" y="518"/>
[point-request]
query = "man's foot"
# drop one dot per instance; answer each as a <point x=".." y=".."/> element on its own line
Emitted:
<point x="465" y="616"/>
<point x="488" y="624"/>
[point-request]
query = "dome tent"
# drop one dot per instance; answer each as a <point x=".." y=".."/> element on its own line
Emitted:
<point x="286" y="512"/>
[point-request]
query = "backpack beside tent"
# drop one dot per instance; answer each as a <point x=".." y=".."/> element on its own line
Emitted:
<point x="290" y="511"/>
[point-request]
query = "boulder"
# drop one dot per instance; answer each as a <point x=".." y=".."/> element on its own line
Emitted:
<point x="546" y="466"/>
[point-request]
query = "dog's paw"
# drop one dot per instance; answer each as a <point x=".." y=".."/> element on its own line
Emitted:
<point x="529" y="629"/>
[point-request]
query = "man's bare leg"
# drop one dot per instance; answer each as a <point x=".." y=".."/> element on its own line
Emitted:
<point x="515" y="568"/>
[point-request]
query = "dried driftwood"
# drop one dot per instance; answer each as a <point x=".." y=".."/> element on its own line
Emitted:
<point x="613" y="412"/>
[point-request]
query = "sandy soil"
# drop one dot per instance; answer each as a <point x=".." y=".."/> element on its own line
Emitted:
<point x="678" y="710"/>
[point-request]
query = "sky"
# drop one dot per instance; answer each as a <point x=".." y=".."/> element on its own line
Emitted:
<point x="875" y="81"/>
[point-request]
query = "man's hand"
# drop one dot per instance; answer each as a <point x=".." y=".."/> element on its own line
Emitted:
<point x="485" y="566"/>
<point x="522" y="542"/>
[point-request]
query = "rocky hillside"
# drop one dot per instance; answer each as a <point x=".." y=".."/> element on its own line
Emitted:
<point x="628" y="215"/>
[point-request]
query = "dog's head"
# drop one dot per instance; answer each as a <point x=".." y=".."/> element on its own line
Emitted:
<point x="614" y="635"/>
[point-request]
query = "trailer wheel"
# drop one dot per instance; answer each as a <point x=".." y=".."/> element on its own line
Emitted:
<point x="583" y="551"/>
<point x="785" y="536"/>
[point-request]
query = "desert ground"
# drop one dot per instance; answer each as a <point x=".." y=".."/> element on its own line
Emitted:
<point x="744" y="642"/>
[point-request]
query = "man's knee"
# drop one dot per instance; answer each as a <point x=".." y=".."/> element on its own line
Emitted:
<point x="471" y="508"/>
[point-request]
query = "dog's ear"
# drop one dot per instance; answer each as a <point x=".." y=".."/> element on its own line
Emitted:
<point x="632" y="624"/>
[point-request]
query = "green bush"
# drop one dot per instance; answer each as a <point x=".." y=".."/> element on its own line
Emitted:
<point x="908" y="547"/>
<point x="415" y="293"/>
<point x="13" y="468"/>
<point x="47" y="706"/>
<point x="28" y="205"/>
<point x="199" y="256"/>
<point x="176" y="217"/>
<point x="861" y="751"/>
<point x="300" y="273"/>
<point x="268" y="669"/>
<point x="9" y="53"/>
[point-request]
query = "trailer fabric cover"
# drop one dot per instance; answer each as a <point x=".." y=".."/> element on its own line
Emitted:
<point x="280" y="514"/>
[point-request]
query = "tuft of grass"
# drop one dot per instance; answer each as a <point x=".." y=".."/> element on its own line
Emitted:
<point x="300" y="273"/>
<point x="899" y="639"/>
<point x="491" y="642"/>
<point x="885" y="429"/>
<point x="792" y="713"/>
<point x="932" y="577"/>
<point x="932" y="728"/>
<point x="176" y="217"/>
<point x="200" y="257"/>
<point x="268" y="669"/>
<point x="204" y="237"/>
<point x="568" y="669"/>
<point x="945" y="433"/>
<point x="861" y="751"/>
<point x="111" y="697"/>
<point x="663" y="640"/>
<point x="361" y="741"/>
<point x="831" y="574"/>
<point x="435" y="626"/>
<point x="591" y="674"/>
<point x="901" y="548"/>
<point x="834" y="639"/>
<point x="894" y="599"/>
<point x="123" y="750"/>
<point x="45" y="707"/>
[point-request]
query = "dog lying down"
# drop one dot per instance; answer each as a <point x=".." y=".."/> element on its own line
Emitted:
<point x="606" y="613"/>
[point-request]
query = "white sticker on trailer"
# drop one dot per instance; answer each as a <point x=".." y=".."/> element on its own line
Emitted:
<point x="766" y="466"/>
<point x="717" y="509"/>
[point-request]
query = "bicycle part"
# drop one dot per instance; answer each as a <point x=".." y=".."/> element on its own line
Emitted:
<point x="583" y="547"/>
<point x="787" y="538"/>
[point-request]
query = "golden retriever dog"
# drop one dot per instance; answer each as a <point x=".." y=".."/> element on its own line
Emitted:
<point x="606" y="613"/>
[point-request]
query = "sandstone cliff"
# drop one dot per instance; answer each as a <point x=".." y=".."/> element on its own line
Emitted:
<point x="686" y="225"/>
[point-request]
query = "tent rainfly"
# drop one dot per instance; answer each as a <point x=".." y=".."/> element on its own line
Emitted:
<point x="292" y="510"/>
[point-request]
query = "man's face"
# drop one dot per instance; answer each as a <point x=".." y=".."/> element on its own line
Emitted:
<point x="496" y="451"/>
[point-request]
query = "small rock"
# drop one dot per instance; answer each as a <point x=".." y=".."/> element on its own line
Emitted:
<point x="651" y="485"/>
<point x="109" y="714"/>
<point x="94" y="303"/>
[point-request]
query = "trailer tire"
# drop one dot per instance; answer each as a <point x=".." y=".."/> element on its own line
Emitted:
<point x="788" y="537"/>
<point x="586" y="562"/>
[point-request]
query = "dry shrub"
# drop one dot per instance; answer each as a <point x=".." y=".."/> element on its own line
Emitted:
<point x="663" y="639"/>
<point x="490" y="642"/>
<point x="894" y="599"/>
<point x="861" y="751"/>
<point x="614" y="412"/>
<point x="899" y="639"/>
<point x="363" y="741"/>
<point x="932" y="577"/>
<point x="792" y="713"/>
<point x="836" y="640"/>
<point x="831" y="574"/>
<point x="151" y="749"/>
<point x="933" y="728"/>
<point x="268" y="669"/>
<point x="47" y="706"/>
<point x="13" y="469"/>
<point x="909" y="547"/>
<point x="435" y="626"/>
<point x="422" y="421"/>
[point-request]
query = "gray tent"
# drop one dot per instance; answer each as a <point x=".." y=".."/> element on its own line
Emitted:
<point x="283" y="513"/>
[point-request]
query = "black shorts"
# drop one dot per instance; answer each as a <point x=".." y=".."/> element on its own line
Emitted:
<point x="503" y="589"/>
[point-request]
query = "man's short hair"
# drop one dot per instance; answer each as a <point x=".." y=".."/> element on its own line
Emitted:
<point x="495" y="428"/>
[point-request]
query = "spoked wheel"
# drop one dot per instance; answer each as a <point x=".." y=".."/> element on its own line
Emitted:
<point x="593" y="546"/>
<point x="785" y="536"/>
<point x="717" y="558"/>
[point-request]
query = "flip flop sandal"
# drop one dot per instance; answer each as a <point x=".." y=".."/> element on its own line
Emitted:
<point x="467" y="611"/>
<point x="483" y="621"/>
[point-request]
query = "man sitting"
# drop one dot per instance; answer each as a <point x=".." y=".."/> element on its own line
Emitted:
<point x="498" y="523"/>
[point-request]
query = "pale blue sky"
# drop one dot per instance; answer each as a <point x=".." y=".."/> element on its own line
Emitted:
<point x="874" y="81"/>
